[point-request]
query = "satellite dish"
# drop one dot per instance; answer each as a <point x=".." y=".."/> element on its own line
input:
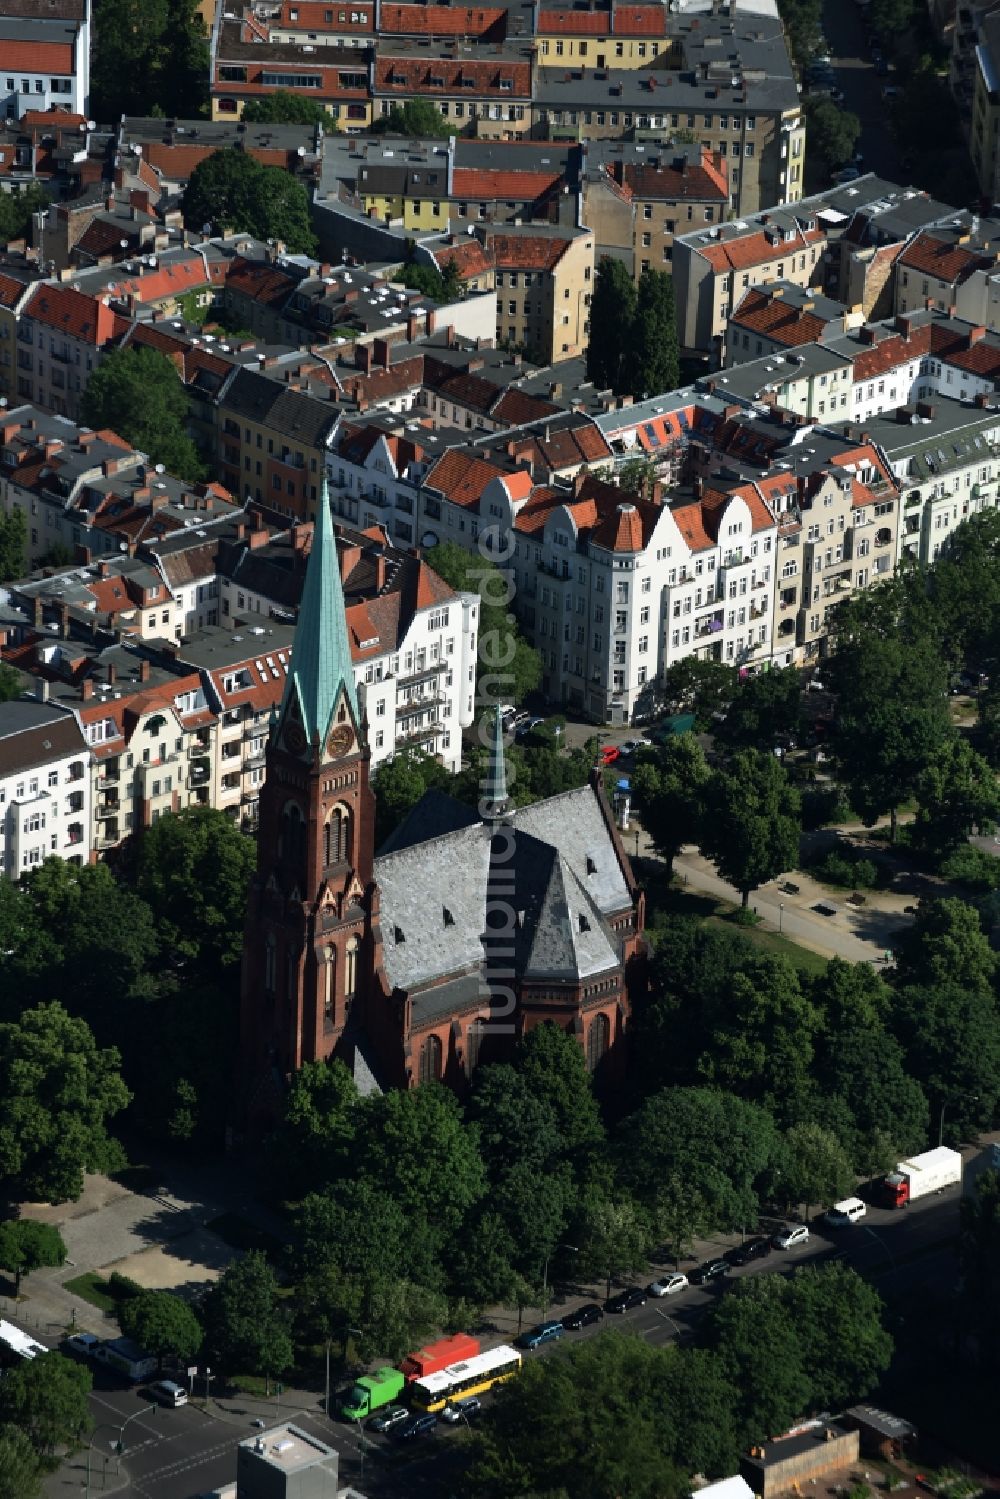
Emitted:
<point x="136" y="149"/>
<point x="301" y="151"/>
<point x="160" y="469"/>
<point x="91" y="124"/>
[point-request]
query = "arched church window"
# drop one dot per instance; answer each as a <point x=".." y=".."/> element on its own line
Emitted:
<point x="351" y="969"/>
<point x="598" y="1041"/>
<point x="329" y="983"/>
<point x="430" y="1060"/>
<point x="337" y="837"/>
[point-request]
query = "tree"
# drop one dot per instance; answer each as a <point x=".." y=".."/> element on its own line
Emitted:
<point x="231" y="190"/>
<point x="893" y="17"/>
<point x="27" y="1246"/>
<point x="508" y="668"/>
<point x="402" y="1315"/>
<point x="283" y="107"/>
<point x="751" y="830"/>
<point x="245" y="1328"/>
<point x="637" y="475"/>
<point x="612" y="311"/>
<point x="399" y="784"/>
<point x="313" y="1143"/>
<point x="958" y="795"/>
<point x="669" y="788"/>
<point x="355" y="1227"/>
<point x="13" y="545"/>
<point x="20" y="1474"/>
<point x="46" y="1398"/>
<point x="839" y="1318"/>
<point x="816" y="1167"/>
<point x="705" y="688"/>
<point x="833" y="132"/>
<point x="199" y="853"/>
<point x="950" y="1034"/>
<point x="57" y="1092"/>
<point x="964" y="588"/>
<point x="440" y="286"/>
<point x="149" y="55"/>
<point x="763" y="707"/>
<point x="652" y="359"/>
<point x="613" y="1238"/>
<point x="703" y="1137"/>
<point x="753" y="1331"/>
<point x="553" y="1066"/>
<point x="17" y="210"/>
<point x="979" y="1258"/>
<point x="946" y="944"/>
<point x="417" y="118"/>
<point x="12" y="682"/>
<point x="137" y="393"/>
<point x="892" y="714"/>
<point x="163" y="1323"/>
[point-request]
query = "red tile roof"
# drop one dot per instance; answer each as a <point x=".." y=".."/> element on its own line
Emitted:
<point x="627" y="20"/>
<point x="445" y="76"/>
<point x="524" y="187"/>
<point x="756" y="249"/>
<point x="11" y="290"/>
<point x="264" y="283"/>
<point x="310" y="15"/>
<point x="442" y="20"/>
<point x="943" y="259"/>
<point x="527" y="252"/>
<point x="778" y="320"/>
<point x="707" y="181"/>
<point x="61" y="119"/>
<point x="469" y="257"/>
<point x="38" y="57"/>
<point x="460" y="478"/>
<point x="72" y="312"/>
<point x="517" y="407"/>
<point x="102" y="236"/>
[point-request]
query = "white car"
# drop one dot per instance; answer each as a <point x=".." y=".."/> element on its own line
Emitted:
<point x="669" y="1285"/>
<point x="842" y="1214"/>
<point x="789" y="1238"/>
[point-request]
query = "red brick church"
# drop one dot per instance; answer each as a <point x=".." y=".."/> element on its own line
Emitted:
<point x="465" y="931"/>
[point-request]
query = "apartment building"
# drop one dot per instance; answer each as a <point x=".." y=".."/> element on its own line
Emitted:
<point x="45" y="56"/>
<point x="957" y="268"/>
<point x="124" y="596"/>
<point x="14" y="293"/>
<point x="44" y="786"/>
<point x="247" y="64"/>
<point x="615" y="36"/>
<point x="61" y="336"/>
<point x="945" y="459"/>
<point x="272" y="442"/>
<point x="772" y="319"/>
<point x="543" y="281"/>
<point x="488" y="97"/>
<point x="637" y="197"/>
<point x="984" y="125"/>
<point x="810" y="381"/>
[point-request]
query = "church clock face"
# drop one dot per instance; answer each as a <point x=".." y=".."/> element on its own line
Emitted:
<point x="340" y="740"/>
<point x="295" y="738"/>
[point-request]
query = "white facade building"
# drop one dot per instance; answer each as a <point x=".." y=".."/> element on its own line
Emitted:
<point x="44" y="786"/>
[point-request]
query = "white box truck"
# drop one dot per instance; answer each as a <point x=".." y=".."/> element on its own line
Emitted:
<point x="920" y="1175"/>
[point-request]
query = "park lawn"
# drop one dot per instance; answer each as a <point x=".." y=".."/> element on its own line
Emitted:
<point x="677" y="900"/>
<point x="90" y="1287"/>
<point x="803" y="958"/>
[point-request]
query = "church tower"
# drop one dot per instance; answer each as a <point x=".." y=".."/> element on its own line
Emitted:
<point x="308" y="936"/>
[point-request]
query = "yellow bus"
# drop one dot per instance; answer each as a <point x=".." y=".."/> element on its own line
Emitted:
<point x="473" y="1376"/>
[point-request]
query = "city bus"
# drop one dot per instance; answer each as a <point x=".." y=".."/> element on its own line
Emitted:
<point x="473" y="1376"/>
<point x="16" y="1346"/>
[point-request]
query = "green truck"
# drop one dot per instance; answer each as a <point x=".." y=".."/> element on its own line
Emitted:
<point x="370" y="1392"/>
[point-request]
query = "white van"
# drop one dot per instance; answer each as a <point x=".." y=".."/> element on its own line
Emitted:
<point x="168" y="1393"/>
<point x="851" y="1210"/>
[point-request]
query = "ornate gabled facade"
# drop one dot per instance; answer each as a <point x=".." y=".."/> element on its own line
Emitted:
<point x="470" y="928"/>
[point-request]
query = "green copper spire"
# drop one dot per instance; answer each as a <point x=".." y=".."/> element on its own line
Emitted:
<point x="321" y="665"/>
<point x="496" y="798"/>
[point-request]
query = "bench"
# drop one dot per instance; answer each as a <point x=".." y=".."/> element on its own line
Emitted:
<point x="857" y="899"/>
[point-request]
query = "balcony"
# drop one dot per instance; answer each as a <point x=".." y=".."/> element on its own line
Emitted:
<point x="198" y="749"/>
<point x="414" y="737"/>
<point x="422" y="674"/>
<point x="105" y="810"/>
<point x="418" y="705"/>
<point x="201" y="772"/>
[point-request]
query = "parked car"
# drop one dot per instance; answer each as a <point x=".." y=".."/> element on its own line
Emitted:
<point x="83" y="1343"/>
<point x="631" y="746"/>
<point x="791" y="1236"/>
<point x="753" y="1249"/>
<point x="626" y="1300"/>
<point x="891" y="93"/>
<point x="455" y="1410"/>
<point x="843" y="1214"/>
<point x="670" y="1285"/>
<point x="390" y="1417"/>
<point x="583" y="1316"/>
<point x="416" y="1426"/>
<point x="610" y="753"/>
<point x="543" y="1332"/>
<point x="709" y="1271"/>
<point x="525" y="728"/>
<point x="846" y="174"/>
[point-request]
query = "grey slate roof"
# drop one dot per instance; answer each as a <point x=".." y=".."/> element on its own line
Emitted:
<point x="299" y="417"/>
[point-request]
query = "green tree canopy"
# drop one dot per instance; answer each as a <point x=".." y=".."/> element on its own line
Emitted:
<point x="508" y="667"/>
<point x="313" y="1143"/>
<point x="283" y="107"/>
<point x="751" y="828"/>
<point x="20" y="1471"/>
<point x="612" y="310"/>
<point x="833" y="132"/>
<point x="816" y="1168"/>
<point x="57" y="1093"/>
<point x="12" y="682"/>
<point x="839" y="1317"/>
<point x="950" y="1034"/>
<point x="245" y="1326"/>
<point x="163" y="1323"/>
<point x="763" y="706"/>
<point x="13" y="544"/>
<point x="27" y="1246"/>
<point x="979" y="1258"/>
<point x="553" y="1066"/>
<point x="231" y="190"/>
<point x="946" y="944"/>
<point x="440" y="286"/>
<point x="194" y="872"/>
<point x="652" y="360"/>
<point x="399" y="784"/>
<point x="418" y="119"/>
<point x="16" y="210"/>
<point x="138" y="394"/>
<point x="753" y="1332"/>
<point x="149" y="56"/>
<point x="46" y="1398"/>
<point x="958" y="794"/>
<point x="669" y="786"/>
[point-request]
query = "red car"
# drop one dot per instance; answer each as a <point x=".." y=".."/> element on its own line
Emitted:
<point x="610" y="753"/>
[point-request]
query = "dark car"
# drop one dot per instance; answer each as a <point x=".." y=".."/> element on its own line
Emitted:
<point x="416" y="1426"/>
<point x="626" y="1300"/>
<point x="544" y="1332"/>
<point x="753" y="1249"/>
<point x="583" y="1316"/>
<point x="710" y="1270"/>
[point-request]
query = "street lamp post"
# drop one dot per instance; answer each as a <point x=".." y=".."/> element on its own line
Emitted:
<point x="90" y="1450"/>
<point x="781" y="915"/>
<point x="545" y="1273"/>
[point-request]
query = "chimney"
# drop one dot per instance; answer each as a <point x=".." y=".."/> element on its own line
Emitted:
<point x="241" y="531"/>
<point x="867" y="334"/>
<point x="976" y="335"/>
<point x="144" y="670"/>
<point x="380" y="352"/>
<point x="86" y="690"/>
<point x="111" y="673"/>
<point x="380" y="571"/>
<point x="699" y="487"/>
<point x="42" y="691"/>
<point x="64" y="621"/>
<point x="38" y="611"/>
<point x="104" y="569"/>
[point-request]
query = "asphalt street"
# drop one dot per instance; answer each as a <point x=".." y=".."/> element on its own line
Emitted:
<point x="844" y="29"/>
<point x="180" y="1454"/>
